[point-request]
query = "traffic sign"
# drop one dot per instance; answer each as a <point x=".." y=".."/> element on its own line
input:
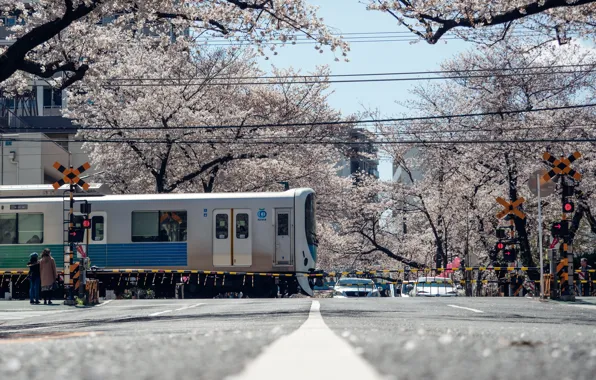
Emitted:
<point x="511" y="208"/>
<point x="546" y="187"/>
<point x="561" y="166"/>
<point x="71" y="176"/>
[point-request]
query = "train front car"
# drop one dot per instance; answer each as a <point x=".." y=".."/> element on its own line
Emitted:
<point x="306" y="237"/>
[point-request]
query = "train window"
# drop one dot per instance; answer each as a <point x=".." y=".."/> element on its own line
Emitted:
<point x="30" y="228"/>
<point x="21" y="228"/>
<point x="158" y="226"/>
<point x="221" y="226"/>
<point x="283" y="220"/>
<point x="172" y="225"/>
<point x="8" y="226"/>
<point x="242" y="226"/>
<point x="97" y="228"/>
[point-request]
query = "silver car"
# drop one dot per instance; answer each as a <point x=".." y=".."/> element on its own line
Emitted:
<point x="355" y="288"/>
<point x="431" y="287"/>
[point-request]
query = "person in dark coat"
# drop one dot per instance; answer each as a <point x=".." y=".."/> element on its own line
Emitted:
<point x="34" y="278"/>
<point x="48" y="275"/>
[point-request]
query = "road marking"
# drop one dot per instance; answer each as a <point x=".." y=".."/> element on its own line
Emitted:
<point x="104" y="303"/>
<point x="18" y="315"/>
<point x="160" y="312"/>
<point x="189" y="307"/>
<point x="590" y="307"/>
<point x="343" y="362"/>
<point x="467" y="308"/>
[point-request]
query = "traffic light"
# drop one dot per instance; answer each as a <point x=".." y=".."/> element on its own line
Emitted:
<point x="568" y="207"/>
<point x="568" y="191"/>
<point x="510" y="255"/>
<point x="86" y="208"/>
<point x="560" y="229"/>
<point x="500" y="246"/>
<point x="76" y="235"/>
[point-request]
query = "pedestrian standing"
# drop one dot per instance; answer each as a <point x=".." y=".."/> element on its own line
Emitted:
<point x="34" y="278"/>
<point x="584" y="275"/>
<point x="48" y="275"/>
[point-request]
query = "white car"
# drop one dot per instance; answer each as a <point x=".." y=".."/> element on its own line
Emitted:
<point x="429" y="287"/>
<point x="354" y="288"/>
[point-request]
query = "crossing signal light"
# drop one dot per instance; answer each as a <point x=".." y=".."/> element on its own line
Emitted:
<point x="86" y="223"/>
<point x="500" y="233"/>
<point x="510" y="255"/>
<point x="500" y="246"/>
<point x="560" y="229"/>
<point x="568" y="207"/>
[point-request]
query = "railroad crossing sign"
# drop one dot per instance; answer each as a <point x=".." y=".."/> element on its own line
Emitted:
<point x="561" y="166"/>
<point x="511" y="208"/>
<point x="71" y="176"/>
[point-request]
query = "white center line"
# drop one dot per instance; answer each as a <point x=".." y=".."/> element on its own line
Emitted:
<point x="160" y="312"/>
<point x="466" y="308"/>
<point x="189" y="307"/>
<point x="335" y="359"/>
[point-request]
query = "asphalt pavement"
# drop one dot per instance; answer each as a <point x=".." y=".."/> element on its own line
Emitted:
<point x="235" y="339"/>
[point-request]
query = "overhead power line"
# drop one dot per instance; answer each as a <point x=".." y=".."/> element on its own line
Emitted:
<point x="497" y="69"/>
<point x="345" y="122"/>
<point x="331" y="142"/>
<point x="227" y="82"/>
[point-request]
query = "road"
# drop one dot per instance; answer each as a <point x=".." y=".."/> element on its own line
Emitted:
<point x="387" y="338"/>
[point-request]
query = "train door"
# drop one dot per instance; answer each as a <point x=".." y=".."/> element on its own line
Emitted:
<point x="97" y="238"/>
<point x="284" y="228"/>
<point x="232" y="240"/>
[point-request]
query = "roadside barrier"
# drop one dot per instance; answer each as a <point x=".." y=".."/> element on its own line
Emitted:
<point x="92" y="292"/>
<point x="472" y="281"/>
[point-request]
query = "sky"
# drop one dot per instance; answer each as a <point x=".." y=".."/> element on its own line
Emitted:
<point x="402" y="56"/>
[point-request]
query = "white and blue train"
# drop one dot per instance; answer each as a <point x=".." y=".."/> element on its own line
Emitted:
<point x="227" y="232"/>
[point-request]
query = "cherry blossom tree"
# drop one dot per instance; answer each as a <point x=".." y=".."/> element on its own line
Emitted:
<point x="71" y="37"/>
<point x="466" y="162"/>
<point x="431" y="20"/>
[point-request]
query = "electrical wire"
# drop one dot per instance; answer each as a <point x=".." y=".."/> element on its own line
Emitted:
<point x="215" y="82"/>
<point x="331" y="142"/>
<point x="593" y="65"/>
<point x="343" y="122"/>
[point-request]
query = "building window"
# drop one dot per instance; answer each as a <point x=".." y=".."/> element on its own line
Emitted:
<point x="97" y="228"/>
<point x="159" y="226"/>
<point x="21" y="228"/>
<point x="221" y="226"/>
<point x="52" y="98"/>
<point x="242" y="226"/>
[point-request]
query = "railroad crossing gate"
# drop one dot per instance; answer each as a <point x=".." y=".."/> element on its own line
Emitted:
<point x="72" y="270"/>
<point x="561" y="166"/>
<point x="511" y="208"/>
<point x="71" y="176"/>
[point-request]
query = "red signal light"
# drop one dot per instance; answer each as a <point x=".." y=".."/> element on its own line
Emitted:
<point x="568" y="207"/>
<point x="86" y="223"/>
<point x="500" y="245"/>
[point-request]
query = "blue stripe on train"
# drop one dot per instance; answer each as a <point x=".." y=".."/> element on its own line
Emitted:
<point x="138" y="255"/>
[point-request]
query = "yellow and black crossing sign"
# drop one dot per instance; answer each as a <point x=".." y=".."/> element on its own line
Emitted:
<point x="71" y="176"/>
<point x="561" y="166"/>
<point x="511" y="208"/>
<point x="75" y="275"/>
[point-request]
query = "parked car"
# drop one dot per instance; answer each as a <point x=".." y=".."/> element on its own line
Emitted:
<point x="429" y="287"/>
<point x="354" y="288"/>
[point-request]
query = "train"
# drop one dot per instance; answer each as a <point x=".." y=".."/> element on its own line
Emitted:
<point x="230" y="233"/>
